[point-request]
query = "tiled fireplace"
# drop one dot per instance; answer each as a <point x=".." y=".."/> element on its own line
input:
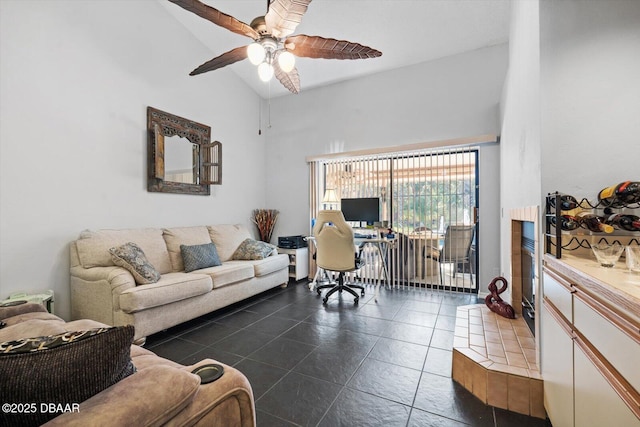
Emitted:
<point x="496" y="358"/>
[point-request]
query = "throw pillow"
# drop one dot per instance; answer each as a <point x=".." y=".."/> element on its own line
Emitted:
<point x="130" y="257"/>
<point x="195" y="257"/>
<point x="253" y="249"/>
<point x="63" y="370"/>
<point x="176" y="236"/>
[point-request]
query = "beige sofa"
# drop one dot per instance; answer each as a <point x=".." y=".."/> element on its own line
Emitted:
<point x="106" y="293"/>
<point x="159" y="392"/>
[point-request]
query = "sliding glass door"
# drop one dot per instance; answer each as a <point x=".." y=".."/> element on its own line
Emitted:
<point x="429" y="200"/>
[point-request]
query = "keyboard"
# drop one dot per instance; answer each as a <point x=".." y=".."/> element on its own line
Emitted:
<point x="362" y="236"/>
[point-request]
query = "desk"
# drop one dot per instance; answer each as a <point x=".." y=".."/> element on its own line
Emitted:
<point x="383" y="247"/>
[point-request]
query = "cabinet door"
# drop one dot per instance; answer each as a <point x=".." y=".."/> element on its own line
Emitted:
<point x="556" y="367"/>
<point x="558" y="291"/>
<point x="619" y="348"/>
<point x="597" y="404"/>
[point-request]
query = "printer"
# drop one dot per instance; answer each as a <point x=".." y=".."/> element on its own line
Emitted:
<point x="292" y="242"/>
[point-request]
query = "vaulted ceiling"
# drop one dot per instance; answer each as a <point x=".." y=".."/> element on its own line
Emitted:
<point x="405" y="31"/>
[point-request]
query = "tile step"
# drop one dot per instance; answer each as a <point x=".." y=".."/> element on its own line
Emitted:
<point x="494" y="358"/>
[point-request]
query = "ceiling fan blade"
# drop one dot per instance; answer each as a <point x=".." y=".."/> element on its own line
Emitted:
<point x="290" y="80"/>
<point x="321" y="47"/>
<point x="227" y="58"/>
<point x="214" y="15"/>
<point x="283" y="16"/>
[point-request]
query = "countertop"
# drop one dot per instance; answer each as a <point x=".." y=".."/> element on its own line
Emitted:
<point x="616" y="287"/>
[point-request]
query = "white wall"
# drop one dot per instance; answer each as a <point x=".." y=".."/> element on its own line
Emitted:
<point x="76" y="79"/>
<point x="571" y="102"/>
<point x="448" y="98"/>
<point x="489" y="216"/>
<point x="520" y="135"/>
<point x="590" y="88"/>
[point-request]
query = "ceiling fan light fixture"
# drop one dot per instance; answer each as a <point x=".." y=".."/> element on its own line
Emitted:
<point x="287" y="61"/>
<point x="272" y="37"/>
<point x="256" y="53"/>
<point x="265" y="71"/>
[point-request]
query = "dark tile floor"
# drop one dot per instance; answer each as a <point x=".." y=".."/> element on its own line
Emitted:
<point x="374" y="364"/>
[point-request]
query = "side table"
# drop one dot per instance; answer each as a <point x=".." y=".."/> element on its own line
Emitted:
<point x="298" y="262"/>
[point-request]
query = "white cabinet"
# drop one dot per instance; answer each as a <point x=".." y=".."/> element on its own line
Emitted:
<point x="298" y="262"/>
<point x="616" y="346"/>
<point x="590" y="353"/>
<point x="556" y="367"/>
<point x="596" y="402"/>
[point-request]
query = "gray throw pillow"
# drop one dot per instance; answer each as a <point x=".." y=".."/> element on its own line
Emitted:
<point x="64" y="370"/>
<point x="251" y="249"/>
<point x="196" y="257"/>
<point x="130" y="257"/>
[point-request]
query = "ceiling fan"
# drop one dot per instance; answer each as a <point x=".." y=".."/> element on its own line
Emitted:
<point x="273" y="49"/>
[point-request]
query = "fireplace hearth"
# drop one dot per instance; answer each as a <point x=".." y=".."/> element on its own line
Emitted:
<point x="496" y="358"/>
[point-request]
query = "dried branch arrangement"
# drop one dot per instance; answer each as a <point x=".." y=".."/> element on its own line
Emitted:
<point x="265" y="220"/>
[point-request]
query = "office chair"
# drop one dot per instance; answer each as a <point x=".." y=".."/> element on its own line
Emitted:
<point x="321" y="275"/>
<point x="335" y="251"/>
<point x="457" y="243"/>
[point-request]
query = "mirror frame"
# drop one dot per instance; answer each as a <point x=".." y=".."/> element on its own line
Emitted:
<point x="161" y="124"/>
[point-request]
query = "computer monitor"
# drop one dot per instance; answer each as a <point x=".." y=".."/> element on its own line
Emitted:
<point x="362" y="209"/>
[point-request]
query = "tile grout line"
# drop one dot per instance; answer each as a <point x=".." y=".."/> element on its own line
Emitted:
<point x="349" y="379"/>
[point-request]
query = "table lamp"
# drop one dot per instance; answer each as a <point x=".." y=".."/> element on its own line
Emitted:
<point x="330" y="198"/>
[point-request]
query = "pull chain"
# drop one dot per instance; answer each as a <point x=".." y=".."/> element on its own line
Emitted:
<point x="259" y="116"/>
<point x="269" y="110"/>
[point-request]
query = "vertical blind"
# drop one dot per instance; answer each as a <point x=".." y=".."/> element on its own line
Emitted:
<point x="421" y="194"/>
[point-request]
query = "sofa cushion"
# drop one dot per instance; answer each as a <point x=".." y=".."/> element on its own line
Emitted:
<point x="37" y="324"/>
<point x="145" y="359"/>
<point x="195" y="257"/>
<point x="152" y="397"/>
<point x="177" y="236"/>
<point x="229" y="272"/>
<point x="227" y="238"/>
<point x="83" y="324"/>
<point x="31" y="327"/>
<point x="64" y="369"/>
<point x="93" y="247"/>
<point x="170" y="288"/>
<point x="251" y="249"/>
<point x="14" y="309"/>
<point x="270" y="264"/>
<point x="130" y="257"/>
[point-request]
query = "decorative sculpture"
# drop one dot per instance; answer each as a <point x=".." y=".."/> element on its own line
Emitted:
<point x="495" y="303"/>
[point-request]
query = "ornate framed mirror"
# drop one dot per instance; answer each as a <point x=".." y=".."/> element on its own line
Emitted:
<point x="181" y="158"/>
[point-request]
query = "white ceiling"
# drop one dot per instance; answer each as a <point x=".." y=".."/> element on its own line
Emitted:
<point x="405" y="31"/>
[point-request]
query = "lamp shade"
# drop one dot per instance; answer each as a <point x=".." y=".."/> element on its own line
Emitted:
<point x="330" y="196"/>
<point x="286" y="61"/>
<point x="265" y="71"/>
<point x="255" y="53"/>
